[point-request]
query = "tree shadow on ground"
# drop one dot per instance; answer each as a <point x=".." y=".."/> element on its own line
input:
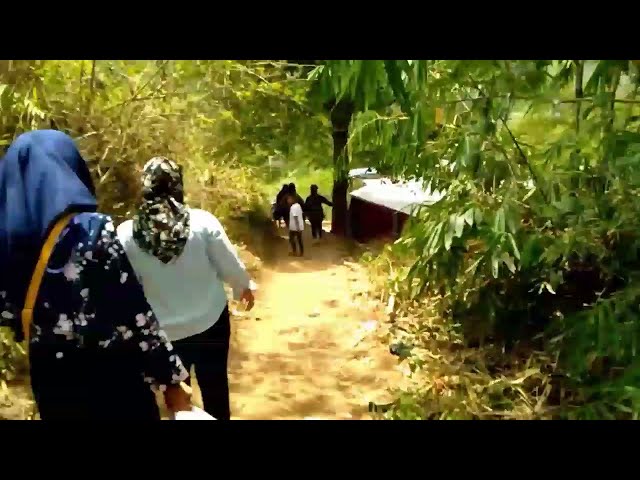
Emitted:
<point x="270" y="243"/>
<point x="296" y="358"/>
<point x="305" y="380"/>
<point x="322" y="254"/>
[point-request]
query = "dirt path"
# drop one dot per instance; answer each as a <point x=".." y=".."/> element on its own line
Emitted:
<point x="310" y="347"/>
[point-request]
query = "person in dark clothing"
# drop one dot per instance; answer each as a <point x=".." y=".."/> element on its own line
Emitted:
<point x="95" y="345"/>
<point x="297" y="198"/>
<point x="280" y="198"/>
<point x="280" y="206"/>
<point x="314" y="212"/>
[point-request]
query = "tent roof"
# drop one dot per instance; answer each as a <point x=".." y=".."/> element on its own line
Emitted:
<point x="363" y="173"/>
<point x="403" y="196"/>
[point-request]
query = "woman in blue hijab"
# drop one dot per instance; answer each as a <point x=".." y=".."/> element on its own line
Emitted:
<point x="95" y="346"/>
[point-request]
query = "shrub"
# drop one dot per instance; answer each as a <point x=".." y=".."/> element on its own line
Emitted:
<point x="533" y="252"/>
<point x="221" y="120"/>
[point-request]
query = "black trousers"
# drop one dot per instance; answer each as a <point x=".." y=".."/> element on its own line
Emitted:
<point x="208" y="352"/>
<point x="296" y="237"/>
<point x="316" y="227"/>
<point x="90" y="384"/>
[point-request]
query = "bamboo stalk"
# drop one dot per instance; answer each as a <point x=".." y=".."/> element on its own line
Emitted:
<point x="578" y="90"/>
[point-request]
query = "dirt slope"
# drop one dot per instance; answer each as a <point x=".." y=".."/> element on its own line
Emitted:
<point x="309" y="349"/>
<point x="310" y="346"/>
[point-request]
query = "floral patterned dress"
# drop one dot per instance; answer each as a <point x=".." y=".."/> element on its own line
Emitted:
<point x="96" y="347"/>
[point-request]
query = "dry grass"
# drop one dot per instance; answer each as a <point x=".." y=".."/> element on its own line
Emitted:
<point x="446" y="378"/>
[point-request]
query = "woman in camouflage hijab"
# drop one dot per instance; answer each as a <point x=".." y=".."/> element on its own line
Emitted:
<point x="187" y="290"/>
<point x="161" y="224"/>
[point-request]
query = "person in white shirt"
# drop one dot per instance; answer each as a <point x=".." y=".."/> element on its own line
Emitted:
<point x="296" y="225"/>
<point x="182" y="256"/>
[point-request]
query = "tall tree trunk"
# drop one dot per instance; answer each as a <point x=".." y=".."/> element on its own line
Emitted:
<point x="578" y="90"/>
<point x="615" y="83"/>
<point x="341" y="114"/>
<point x="92" y="86"/>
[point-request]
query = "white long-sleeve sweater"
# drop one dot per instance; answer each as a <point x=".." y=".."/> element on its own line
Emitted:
<point x="187" y="294"/>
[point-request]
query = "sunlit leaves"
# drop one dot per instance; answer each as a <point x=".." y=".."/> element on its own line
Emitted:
<point x="536" y="157"/>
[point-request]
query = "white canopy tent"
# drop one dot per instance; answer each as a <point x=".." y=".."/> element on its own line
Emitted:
<point x="401" y="196"/>
<point x="363" y="173"/>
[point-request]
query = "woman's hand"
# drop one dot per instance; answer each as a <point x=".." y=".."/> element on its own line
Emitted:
<point x="247" y="296"/>
<point x="178" y="398"/>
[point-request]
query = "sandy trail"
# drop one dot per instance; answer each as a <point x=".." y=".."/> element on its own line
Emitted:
<point x="310" y="347"/>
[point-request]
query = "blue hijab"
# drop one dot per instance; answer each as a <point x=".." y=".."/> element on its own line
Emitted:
<point x="42" y="177"/>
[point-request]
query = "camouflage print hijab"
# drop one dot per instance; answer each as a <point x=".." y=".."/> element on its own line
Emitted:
<point x="161" y="224"/>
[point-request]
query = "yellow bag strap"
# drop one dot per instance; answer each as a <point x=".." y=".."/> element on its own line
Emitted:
<point x="38" y="273"/>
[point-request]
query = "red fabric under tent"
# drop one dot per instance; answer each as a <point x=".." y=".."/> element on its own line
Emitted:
<point x="381" y="207"/>
<point x="369" y="221"/>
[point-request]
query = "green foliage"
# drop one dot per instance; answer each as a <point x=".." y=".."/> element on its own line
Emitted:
<point x="535" y="245"/>
<point x="223" y="120"/>
<point x="522" y="279"/>
<point x="12" y="357"/>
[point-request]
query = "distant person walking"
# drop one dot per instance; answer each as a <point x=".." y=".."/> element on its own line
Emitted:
<point x="280" y="208"/>
<point x="296" y="196"/>
<point x="95" y="346"/>
<point x="182" y="256"/>
<point x="314" y="211"/>
<point x="298" y="199"/>
<point x="296" y="225"/>
<point x="280" y="197"/>
<point x="290" y="190"/>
